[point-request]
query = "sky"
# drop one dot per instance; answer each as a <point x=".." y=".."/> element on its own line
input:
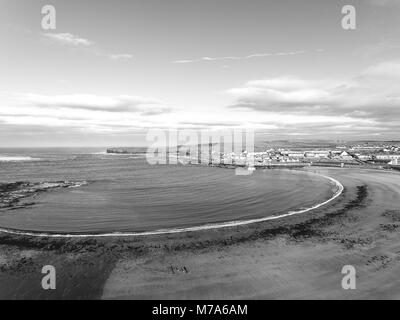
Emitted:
<point x="113" y="70"/>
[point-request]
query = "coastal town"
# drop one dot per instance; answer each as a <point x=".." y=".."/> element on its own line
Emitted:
<point x="377" y="154"/>
<point x="371" y="154"/>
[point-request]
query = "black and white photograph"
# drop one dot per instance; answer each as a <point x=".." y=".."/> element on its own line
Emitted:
<point x="217" y="151"/>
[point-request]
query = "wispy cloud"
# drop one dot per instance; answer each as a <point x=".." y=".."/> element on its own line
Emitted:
<point x="208" y="124"/>
<point x="122" y="103"/>
<point x="250" y="56"/>
<point x="120" y="56"/>
<point x="378" y="48"/>
<point x="80" y="110"/>
<point x="68" y="39"/>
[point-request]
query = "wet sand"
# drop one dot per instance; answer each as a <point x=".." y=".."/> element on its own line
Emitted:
<point x="296" y="257"/>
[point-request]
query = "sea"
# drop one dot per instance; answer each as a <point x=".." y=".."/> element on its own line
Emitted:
<point x="86" y="190"/>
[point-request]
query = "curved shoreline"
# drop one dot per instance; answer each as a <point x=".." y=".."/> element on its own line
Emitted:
<point x="177" y="230"/>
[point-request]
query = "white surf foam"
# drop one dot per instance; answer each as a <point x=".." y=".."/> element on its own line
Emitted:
<point x="4" y="158"/>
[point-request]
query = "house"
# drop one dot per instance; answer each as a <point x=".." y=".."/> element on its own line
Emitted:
<point x="317" y="154"/>
<point x="346" y="156"/>
<point x="295" y="154"/>
<point x="364" y="157"/>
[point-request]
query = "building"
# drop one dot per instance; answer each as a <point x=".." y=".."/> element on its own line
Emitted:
<point x="317" y="154"/>
<point x="295" y="154"/>
<point x="346" y="156"/>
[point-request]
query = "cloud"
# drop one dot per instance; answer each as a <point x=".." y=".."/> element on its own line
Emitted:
<point x="280" y="94"/>
<point x="209" y="124"/>
<point x="122" y="103"/>
<point x="114" y="104"/>
<point x="386" y="69"/>
<point x="83" y="111"/>
<point x="120" y="56"/>
<point x="378" y="48"/>
<point x="68" y="39"/>
<point x="251" y="56"/>
<point x="370" y="101"/>
<point x="367" y="105"/>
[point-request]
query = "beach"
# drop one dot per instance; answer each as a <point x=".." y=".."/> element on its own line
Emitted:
<point x="296" y="257"/>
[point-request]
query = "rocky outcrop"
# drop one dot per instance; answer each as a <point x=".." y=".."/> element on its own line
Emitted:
<point x="19" y="194"/>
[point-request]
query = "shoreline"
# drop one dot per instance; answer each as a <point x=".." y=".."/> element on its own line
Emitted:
<point x="298" y="257"/>
<point x="219" y="225"/>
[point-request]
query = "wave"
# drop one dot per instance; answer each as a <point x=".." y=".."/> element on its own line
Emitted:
<point x="336" y="194"/>
<point x="104" y="153"/>
<point x="132" y="155"/>
<point x="4" y="158"/>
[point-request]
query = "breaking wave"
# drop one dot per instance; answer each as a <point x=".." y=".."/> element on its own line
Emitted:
<point x="4" y="158"/>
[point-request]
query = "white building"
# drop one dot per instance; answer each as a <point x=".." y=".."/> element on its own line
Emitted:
<point x="387" y="156"/>
<point x="317" y="154"/>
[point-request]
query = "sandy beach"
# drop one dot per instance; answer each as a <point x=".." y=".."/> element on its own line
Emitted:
<point x="295" y="257"/>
